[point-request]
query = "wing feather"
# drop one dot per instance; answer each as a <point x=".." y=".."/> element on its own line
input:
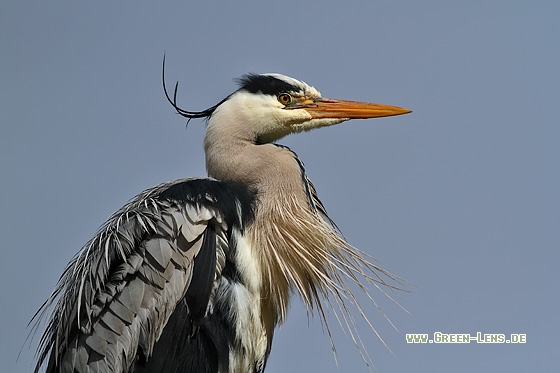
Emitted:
<point x="116" y="297"/>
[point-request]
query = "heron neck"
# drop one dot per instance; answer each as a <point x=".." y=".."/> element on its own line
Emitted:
<point x="289" y="257"/>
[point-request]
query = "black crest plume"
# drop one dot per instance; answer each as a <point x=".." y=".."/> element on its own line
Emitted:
<point x="185" y="113"/>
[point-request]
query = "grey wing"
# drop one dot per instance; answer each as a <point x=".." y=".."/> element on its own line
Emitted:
<point x="117" y="296"/>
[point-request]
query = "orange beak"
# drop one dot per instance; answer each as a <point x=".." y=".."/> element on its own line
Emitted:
<point x="332" y="108"/>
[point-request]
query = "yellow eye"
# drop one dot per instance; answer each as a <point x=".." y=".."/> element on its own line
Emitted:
<point x="285" y="99"/>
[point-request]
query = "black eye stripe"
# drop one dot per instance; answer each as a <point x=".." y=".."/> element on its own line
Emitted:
<point x="269" y="85"/>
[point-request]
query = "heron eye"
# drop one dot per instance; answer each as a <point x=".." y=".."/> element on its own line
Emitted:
<point x="285" y="99"/>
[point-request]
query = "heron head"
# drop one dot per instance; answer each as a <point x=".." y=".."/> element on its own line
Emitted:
<point x="275" y="105"/>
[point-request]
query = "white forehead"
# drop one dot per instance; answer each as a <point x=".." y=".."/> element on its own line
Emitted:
<point x="304" y="87"/>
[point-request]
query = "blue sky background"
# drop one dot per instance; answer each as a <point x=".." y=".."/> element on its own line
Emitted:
<point x="461" y="197"/>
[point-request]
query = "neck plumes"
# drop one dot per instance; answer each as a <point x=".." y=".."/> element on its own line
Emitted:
<point x="295" y="248"/>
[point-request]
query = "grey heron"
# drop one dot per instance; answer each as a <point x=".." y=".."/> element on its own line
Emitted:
<point x="194" y="275"/>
